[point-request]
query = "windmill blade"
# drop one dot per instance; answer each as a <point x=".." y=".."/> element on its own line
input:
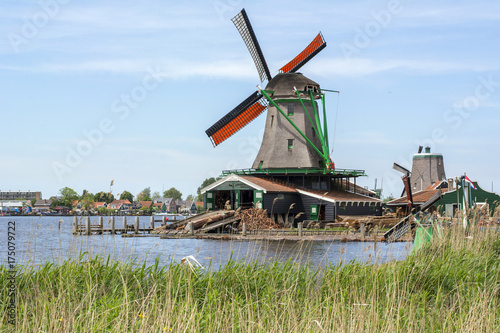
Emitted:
<point x="237" y="118"/>
<point x="243" y="25"/>
<point x="401" y="169"/>
<point x="309" y="52"/>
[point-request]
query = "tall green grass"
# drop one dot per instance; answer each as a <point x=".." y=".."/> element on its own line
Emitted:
<point x="452" y="285"/>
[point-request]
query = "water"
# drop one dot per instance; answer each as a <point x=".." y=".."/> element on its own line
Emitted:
<point x="39" y="240"/>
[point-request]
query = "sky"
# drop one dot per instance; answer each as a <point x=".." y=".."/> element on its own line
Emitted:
<point x="94" y="91"/>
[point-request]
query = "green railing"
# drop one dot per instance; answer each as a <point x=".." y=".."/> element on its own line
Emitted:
<point x="294" y="171"/>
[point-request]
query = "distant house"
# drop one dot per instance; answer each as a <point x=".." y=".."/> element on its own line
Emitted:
<point x="98" y="205"/>
<point x="77" y="206"/>
<point x="15" y="206"/>
<point x="188" y="207"/>
<point x="144" y="204"/>
<point x="63" y="210"/>
<point x="165" y="204"/>
<point x="120" y="205"/>
<point x="180" y="205"/>
<point x="42" y="205"/>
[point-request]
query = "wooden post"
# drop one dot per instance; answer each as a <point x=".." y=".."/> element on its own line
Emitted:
<point x="74" y="225"/>
<point x="87" y="225"/>
<point x="244" y="229"/>
<point x="190" y="228"/>
<point x="124" y="225"/>
<point x="362" y="229"/>
<point x="112" y="225"/>
<point x="163" y="221"/>
<point x="136" y="225"/>
<point x="300" y="227"/>
<point x="101" y="222"/>
<point x="152" y="222"/>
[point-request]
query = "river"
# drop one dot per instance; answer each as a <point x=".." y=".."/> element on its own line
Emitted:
<point x="49" y="239"/>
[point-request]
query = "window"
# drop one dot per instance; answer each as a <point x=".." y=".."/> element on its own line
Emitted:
<point x="290" y="109"/>
<point x="311" y="88"/>
<point x="272" y="121"/>
<point x="415" y="186"/>
<point x="281" y="196"/>
<point x="290" y="144"/>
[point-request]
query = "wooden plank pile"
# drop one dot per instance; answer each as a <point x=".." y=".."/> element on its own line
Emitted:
<point x="202" y="222"/>
<point x="256" y="219"/>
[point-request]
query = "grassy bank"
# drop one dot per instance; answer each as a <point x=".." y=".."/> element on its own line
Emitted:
<point x="454" y="285"/>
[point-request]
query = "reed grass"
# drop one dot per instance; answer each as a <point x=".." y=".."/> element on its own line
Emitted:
<point x="452" y="285"/>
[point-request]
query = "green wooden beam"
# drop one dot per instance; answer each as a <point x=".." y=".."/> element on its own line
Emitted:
<point x="264" y="93"/>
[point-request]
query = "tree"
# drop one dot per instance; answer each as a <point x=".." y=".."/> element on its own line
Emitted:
<point x="87" y="201"/>
<point x="389" y="198"/>
<point x="104" y="197"/>
<point x="190" y="198"/>
<point x="145" y="195"/>
<point x="146" y="210"/>
<point x="126" y="195"/>
<point x="155" y="195"/>
<point x="173" y="193"/>
<point x="68" y="196"/>
<point x="205" y="183"/>
<point x="55" y="203"/>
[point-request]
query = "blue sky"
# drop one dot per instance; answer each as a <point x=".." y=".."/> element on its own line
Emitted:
<point x="98" y="90"/>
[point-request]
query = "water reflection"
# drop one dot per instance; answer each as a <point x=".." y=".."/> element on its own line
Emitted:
<point x="49" y="238"/>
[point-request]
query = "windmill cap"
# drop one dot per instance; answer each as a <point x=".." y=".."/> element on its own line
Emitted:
<point x="283" y="84"/>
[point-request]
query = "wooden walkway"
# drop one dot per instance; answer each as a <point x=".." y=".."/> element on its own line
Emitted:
<point x="122" y="228"/>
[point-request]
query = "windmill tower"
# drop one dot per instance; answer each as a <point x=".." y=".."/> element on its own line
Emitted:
<point x="427" y="168"/>
<point x="283" y="146"/>
<point x="296" y="134"/>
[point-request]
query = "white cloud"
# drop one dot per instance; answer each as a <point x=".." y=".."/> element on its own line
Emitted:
<point x="244" y="69"/>
<point x="176" y="69"/>
<point x="356" y="67"/>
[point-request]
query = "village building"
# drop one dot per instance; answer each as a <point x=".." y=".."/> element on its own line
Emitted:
<point x="144" y="204"/>
<point x="20" y="195"/>
<point x="42" y="206"/>
<point x="165" y="204"/>
<point x="120" y="206"/>
<point x="186" y="207"/>
<point x="98" y="205"/>
<point x="421" y="197"/>
<point x="427" y="180"/>
<point x="286" y="201"/>
<point x="15" y="206"/>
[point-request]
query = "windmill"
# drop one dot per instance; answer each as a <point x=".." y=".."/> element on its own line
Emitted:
<point x="294" y="136"/>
